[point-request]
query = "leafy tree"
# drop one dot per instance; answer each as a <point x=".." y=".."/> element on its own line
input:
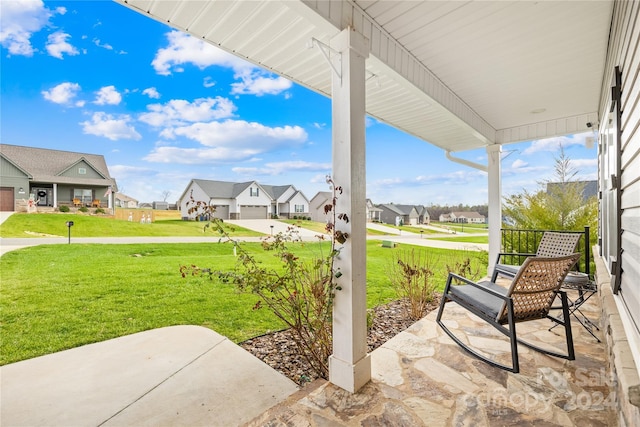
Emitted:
<point x="558" y="205"/>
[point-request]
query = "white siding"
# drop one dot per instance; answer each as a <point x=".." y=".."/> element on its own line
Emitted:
<point x="198" y="195"/>
<point x="624" y="52"/>
<point x="245" y="198"/>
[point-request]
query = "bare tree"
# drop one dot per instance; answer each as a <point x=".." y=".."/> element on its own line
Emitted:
<point x="165" y="195"/>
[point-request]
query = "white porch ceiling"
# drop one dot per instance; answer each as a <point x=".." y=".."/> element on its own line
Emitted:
<point x="458" y="74"/>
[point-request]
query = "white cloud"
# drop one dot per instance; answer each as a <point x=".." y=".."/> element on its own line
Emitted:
<point x="553" y="144"/>
<point x="191" y="156"/>
<point x="108" y="95"/>
<point x="208" y="82"/>
<point x="278" y="168"/>
<point x="242" y="135"/>
<point x="584" y="163"/>
<point x="57" y="45"/>
<point x="255" y="83"/>
<point x="179" y="112"/>
<point x="319" y="125"/>
<point x="185" y="49"/>
<point x="98" y="43"/>
<point x="228" y="141"/>
<point x="111" y="127"/>
<point x="151" y="92"/>
<point x="63" y="93"/>
<point x="518" y="163"/>
<point x="19" y="20"/>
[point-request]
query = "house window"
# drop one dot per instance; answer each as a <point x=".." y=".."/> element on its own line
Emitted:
<point x="83" y="194"/>
<point x="253" y="192"/>
<point x="299" y="208"/>
<point x="82" y="171"/>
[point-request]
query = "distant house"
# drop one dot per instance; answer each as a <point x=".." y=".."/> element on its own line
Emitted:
<point x="373" y="212"/>
<point x="463" y="217"/>
<point x="245" y="200"/>
<point x="588" y="188"/>
<point x="423" y="215"/>
<point x="316" y="205"/>
<point x="124" y="201"/>
<point x="399" y="214"/>
<point x="52" y="178"/>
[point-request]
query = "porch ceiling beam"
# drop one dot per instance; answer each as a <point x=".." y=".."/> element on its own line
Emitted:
<point x="393" y="55"/>
<point x="548" y="129"/>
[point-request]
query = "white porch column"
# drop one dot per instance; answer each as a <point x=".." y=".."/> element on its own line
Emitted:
<point x="55" y="195"/>
<point x="350" y="365"/>
<point x="495" y="202"/>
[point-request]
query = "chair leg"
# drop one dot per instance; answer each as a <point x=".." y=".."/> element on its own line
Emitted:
<point x="566" y="322"/>
<point x="515" y="368"/>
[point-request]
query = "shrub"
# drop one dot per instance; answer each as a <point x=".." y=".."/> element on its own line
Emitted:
<point x="299" y="292"/>
<point x="411" y="273"/>
<point x="83" y="209"/>
<point x="99" y="211"/>
<point x="63" y="208"/>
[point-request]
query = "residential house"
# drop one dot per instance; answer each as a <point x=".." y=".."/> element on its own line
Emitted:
<point x="399" y="214"/>
<point x="423" y="215"/>
<point x="464" y="218"/>
<point x="373" y="212"/>
<point x="587" y="188"/>
<point x="39" y="177"/>
<point x="124" y="201"/>
<point x="288" y="202"/>
<point x="244" y="200"/>
<point x="317" y="204"/>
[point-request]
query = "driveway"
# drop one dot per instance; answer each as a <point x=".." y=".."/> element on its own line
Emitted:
<point x="265" y="226"/>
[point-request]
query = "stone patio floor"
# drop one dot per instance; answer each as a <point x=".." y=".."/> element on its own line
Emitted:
<point x="422" y="378"/>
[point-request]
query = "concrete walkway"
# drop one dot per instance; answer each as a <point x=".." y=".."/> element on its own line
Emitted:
<point x="180" y="375"/>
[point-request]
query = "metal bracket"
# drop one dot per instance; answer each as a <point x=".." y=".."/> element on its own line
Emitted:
<point x="325" y="50"/>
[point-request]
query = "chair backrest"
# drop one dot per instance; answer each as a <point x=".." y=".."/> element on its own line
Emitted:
<point x="555" y="244"/>
<point x="534" y="287"/>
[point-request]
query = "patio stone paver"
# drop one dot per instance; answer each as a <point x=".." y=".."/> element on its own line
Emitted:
<point x="422" y="378"/>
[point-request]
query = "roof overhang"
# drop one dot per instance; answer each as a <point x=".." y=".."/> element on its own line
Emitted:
<point x="460" y="75"/>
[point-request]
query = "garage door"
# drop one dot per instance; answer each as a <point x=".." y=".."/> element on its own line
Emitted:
<point x="6" y="199"/>
<point x="253" y="212"/>
<point x="222" y="212"/>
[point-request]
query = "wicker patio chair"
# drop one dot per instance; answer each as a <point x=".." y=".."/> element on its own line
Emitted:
<point x="529" y="297"/>
<point x="552" y="244"/>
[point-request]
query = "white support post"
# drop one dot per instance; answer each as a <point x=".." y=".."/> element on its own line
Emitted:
<point x="350" y="365"/>
<point x="495" y="203"/>
<point x="55" y="195"/>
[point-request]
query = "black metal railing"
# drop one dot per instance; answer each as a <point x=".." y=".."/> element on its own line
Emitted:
<point x="517" y="244"/>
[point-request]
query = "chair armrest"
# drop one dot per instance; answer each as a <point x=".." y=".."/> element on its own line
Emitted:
<point x="476" y="285"/>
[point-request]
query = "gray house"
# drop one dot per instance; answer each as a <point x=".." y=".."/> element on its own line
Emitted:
<point x="38" y="177"/>
<point x="397" y="214"/>
<point x="244" y="200"/>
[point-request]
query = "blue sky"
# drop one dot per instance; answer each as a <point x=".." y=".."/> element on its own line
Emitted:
<point x="163" y="108"/>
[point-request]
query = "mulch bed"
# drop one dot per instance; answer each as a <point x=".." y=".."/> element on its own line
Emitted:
<point x="279" y="351"/>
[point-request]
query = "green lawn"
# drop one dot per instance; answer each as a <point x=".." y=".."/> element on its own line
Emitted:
<point x="54" y="224"/>
<point x="56" y="297"/>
